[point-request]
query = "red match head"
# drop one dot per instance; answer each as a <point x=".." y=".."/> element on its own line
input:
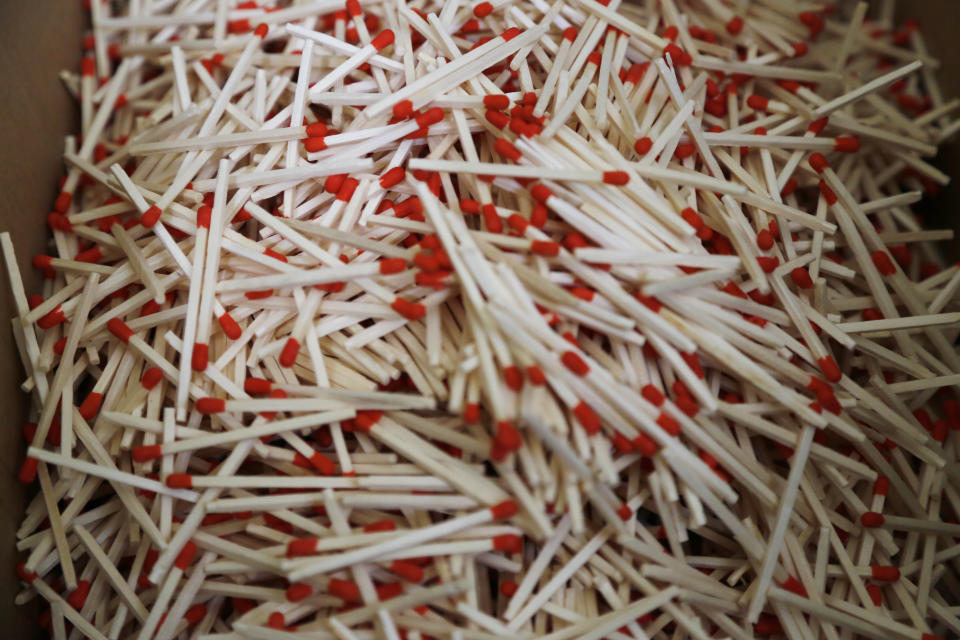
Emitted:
<point x="298" y="591"/>
<point x="505" y="509"/>
<point x="508" y="542"/>
<point x="211" y="405"/>
<point x="185" y="557"/>
<point x="147" y="453"/>
<point x="872" y="519"/>
<point x="180" y="481"/>
<point x="302" y="547"/>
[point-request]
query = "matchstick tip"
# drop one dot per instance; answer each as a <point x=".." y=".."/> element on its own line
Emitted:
<point x="383" y="40"/>
<point x="230" y="327"/>
<point x="829" y="368"/>
<point x="883" y="263"/>
<point x="92" y="255"/>
<point x="91" y="404"/>
<point x="367" y="419"/>
<point x="491" y="219"/>
<point x="819" y="162"/>
<point x="471" y="413"/>
<point x="256" y="386"/>
<point x="392" y="177"/>
<point x="180" y="481"/>
<point x="538" y="217"/>
<point x="59" y="222"/>
<point x="518" y="223"/>
<point x="541" y="193"/>
<point x="147" y="452"/>
<point x="316" y="130"/>
<point x="801" y="278"/>
<point x="269" y="415"/>
<point x="298" y="591"/>
<point x="483" y="9"/>
<point x="407" y="570"/>
<point x="881" y="486"/>
<point x="380" y="525"/>
<point x="789" y="187"/>
<point x="322" y="463"/>
<point x="653" y="395"/>
<point x="817" y="126"/>
<point x="204" y="212"/>
<point x="407" y="309"/>
<point x="24" y="574"/>
<point x="872" y="519"/>
<point x="505" y="509"/>
<point x="765" y="240"/>
<point x="346" y="190"/>
<point x="587" y="417"/>
<point x="507" y="436"/>
<point x="572" y="361"/>
<point x="621" y="444"/>
<point x="508" y="542"/>
<point x="827" y="193"/>
<point x="151" y="377"/>
<point x="346" y="590"/>
<point x="42" y="261"/>
<point x="846" y="144"/>
<point x="302" y="547"/>
<point x="200" y="356"/>
<point x="210" y="405"/>
<point x="185" y="557"/>
<point x="195" y="614"/>
<point x="617" y="178"/>
<point x="669" y="424"/>
<point x="680" y="57"/>
<point x="288" y="355"/>
<point x="545" y="248"/>
<point x="885" y="573"/>
<point x="510" y="33"/>
<point x="735" y="25"/>
<point x="150" y="216"/>
<point x="120" y="330"/>
<point x="403" y="109"/>
<point x="497" y="101"/>
<point x="505" y="148"/>
<point x="28" y="470"/>
<point x="513" y="377"/>
<point x="313" y="145"/>
<point x="645" y="445"/>
<point x="63" y="201"/>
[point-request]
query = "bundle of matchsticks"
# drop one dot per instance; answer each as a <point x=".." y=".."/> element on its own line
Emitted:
<point x="501" y="319"/>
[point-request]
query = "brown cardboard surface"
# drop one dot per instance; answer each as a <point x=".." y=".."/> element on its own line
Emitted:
<point x="41" y="37"/>
<point x="938" y="20"/>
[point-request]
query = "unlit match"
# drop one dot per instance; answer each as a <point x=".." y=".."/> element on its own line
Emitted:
<point x="496" y="319"/>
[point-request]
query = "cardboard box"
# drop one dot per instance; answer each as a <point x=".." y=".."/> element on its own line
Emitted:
<point x="42" y="37"/>
<point x="39" y="39"/>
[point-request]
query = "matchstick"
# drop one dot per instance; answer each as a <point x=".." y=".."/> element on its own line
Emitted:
<point x="507" y="318"/>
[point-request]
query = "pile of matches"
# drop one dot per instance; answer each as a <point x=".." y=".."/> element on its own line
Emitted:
<point x="510" y="319"/>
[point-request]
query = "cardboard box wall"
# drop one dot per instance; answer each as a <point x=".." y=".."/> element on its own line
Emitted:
<point x="38" y="38"/>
